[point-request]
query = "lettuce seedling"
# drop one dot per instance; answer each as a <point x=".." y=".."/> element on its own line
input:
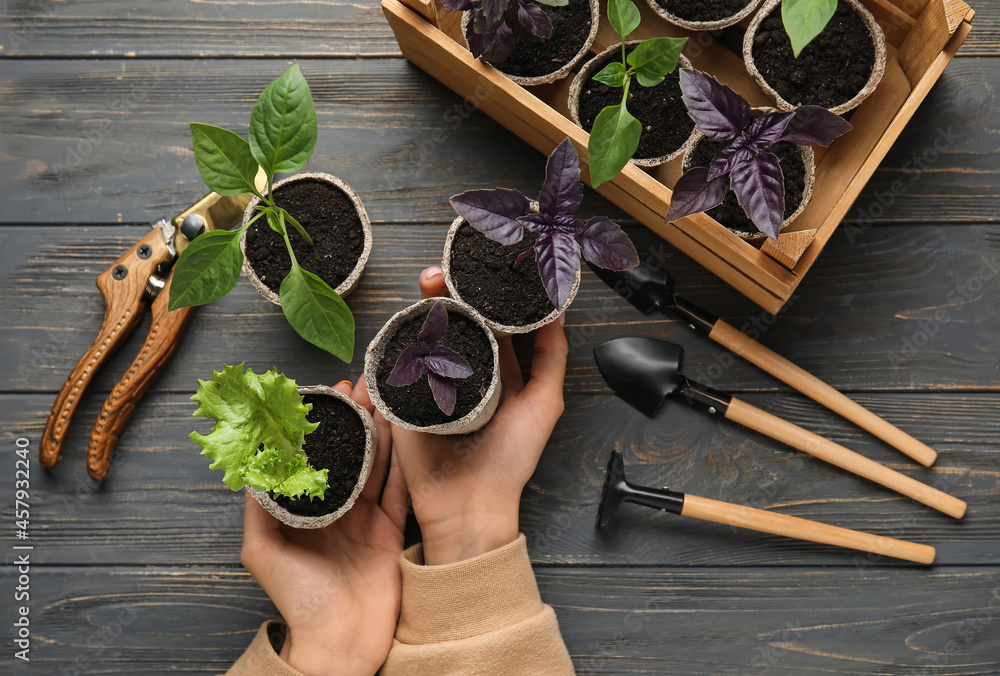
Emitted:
<point x="503" y="215"/>
<point x="260" y="428"/>
<point x="614" y="137"/>
<point x="753" y="173"/>
<point x="442" y="365"/>
<point x="282" y="138"/>
<point x="805" y="19"/>
<point x="496" y="25"/>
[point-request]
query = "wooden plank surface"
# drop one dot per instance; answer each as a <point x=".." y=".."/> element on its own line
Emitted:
<point x="306" y="29"/>
<point x="912" y="307"/>
<point x="108" y="141"/>
<point x="661" y="621"/>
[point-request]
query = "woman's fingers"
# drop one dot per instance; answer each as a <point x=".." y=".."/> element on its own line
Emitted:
<point x="432" y="283"/>
<point x="261" y="533"/>
<point x="380" y="464"/>
<point x="510" y="370"/>
<point x="395" y="497"/>
<point x="548" y="369"/>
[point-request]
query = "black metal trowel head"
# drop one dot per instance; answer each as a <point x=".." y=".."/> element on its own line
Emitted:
<point x="645" y="286"/>
<point x="642" y="371"/>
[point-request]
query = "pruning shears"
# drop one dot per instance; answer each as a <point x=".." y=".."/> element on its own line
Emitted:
<point x="139" y="278"/>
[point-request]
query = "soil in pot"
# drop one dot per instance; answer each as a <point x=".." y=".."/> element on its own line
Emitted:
<point x="337" y="445"/>
<point x="703" y="10"/>
<point x="331" y="220"/>
<point x="570" y="30"/>
<point x="831" y="70"/>
<point x="415" y="403"/>
<point x="730" y="213"/>
<point x="483" y="271"/>
<point x="666" y="124"/>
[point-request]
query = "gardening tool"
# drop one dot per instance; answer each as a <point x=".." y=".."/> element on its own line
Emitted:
<point x="648" y="288"/>
<point x="140" y="277"/>
<point x="645" y="371"/>
<point x="617" y="489"/>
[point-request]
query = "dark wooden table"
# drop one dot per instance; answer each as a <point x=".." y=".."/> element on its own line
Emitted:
<point x="141" y="575"/>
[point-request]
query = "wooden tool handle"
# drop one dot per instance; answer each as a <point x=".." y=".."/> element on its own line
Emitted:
<point x="164" y="336"/>
<point x="816" y="389"/>
<point x="761" y="421"/>
<point x="123" y="299"/>
<point x="803" y="529"/>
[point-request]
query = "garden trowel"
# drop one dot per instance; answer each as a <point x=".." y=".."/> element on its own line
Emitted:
<point x="648" y="288"/>
<point x="645" y="371"/>
<point x="617" y="489"/>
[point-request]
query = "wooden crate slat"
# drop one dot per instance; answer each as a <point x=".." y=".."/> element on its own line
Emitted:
<point x="895" y="22"/>
<point x="928" y="37"/>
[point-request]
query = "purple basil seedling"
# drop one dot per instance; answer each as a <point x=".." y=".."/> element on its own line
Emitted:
<point x="503" y="215"/>
<point x="754" y="174"/>
<point x="496" y="25"/>
<point x="442" y="365"/>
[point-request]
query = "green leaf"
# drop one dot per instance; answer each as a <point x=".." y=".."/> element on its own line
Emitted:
<point x="653" y="59"/>
<point x="283" y="124"/>
<point x="317" y="313"/>
<point x="613" y="141"/>
<point x="805" y="19"/>
<point x="292" y="478"/>
<point x="224" y="159"/>
<point x="274" y="220"/>
<point x="553" y="3"/>
<point x="624" y="16"/>
<point x="251" y="411"/>
<point x="613" y="75"/>
<point x="207" y="269"/>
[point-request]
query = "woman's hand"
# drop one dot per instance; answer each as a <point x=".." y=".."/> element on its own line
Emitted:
<point x="338" y="587"/>
<point x="466" y="490"/>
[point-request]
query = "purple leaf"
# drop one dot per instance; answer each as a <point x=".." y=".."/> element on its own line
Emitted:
<point x="558" y="257"/>
<point x="447" y="363"/>
<point x="408" y="369"/>
<point x="444" y="392"/>
<point x="760" y="188"/>
<point x="456" y="5"/>
<point x="814" y="126"/>
<point x="489" y="15"/>
<point x="766" y="130"/>
<point x="695" y="193"/>
<point x="569" y="224"/>
<point x="494" y="47"/>
<point x="538" y="223"/>
<point x="494" y="212"/>
<point x="562" y="192"/>
<point x="534" y="20"/>
<point x="718" y="112"/>
<point x="722" y="163"/>
<point x="606" y="245"/>
<point x="435" y="325"/>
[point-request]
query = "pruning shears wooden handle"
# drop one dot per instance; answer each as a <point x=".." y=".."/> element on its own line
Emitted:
<point x="162" y="341"/>
<point x="123" y="286"/>
<point x="140" y="277"/>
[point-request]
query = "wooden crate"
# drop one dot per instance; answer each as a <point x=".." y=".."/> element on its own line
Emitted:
<point x="922" y="36"/>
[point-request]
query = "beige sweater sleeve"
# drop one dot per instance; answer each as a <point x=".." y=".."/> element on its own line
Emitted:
<point x="261" y="658"/>
<point x="480" y="617"/>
